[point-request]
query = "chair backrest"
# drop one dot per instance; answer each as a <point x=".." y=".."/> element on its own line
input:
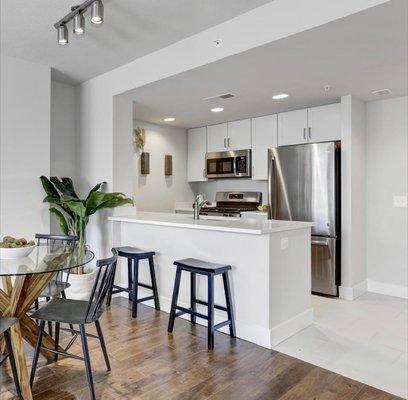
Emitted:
<point x="103" y="280"/>
<point x="56" y="240"/>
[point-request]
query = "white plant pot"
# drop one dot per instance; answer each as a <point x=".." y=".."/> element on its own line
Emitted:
<point x="81" y="285"/>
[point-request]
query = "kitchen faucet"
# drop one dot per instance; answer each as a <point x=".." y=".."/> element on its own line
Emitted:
<point x="199" y="202"/>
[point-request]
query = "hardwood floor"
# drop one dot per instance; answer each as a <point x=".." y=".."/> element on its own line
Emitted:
<point x="148" y="363"/>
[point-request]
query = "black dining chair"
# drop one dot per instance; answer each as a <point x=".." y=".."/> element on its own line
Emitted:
<point x="57" y="287"/>
<point x="5" y="324"/>
<point x="78" y="312"/>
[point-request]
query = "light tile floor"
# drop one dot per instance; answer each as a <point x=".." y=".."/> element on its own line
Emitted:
<point x="365" y="339"/>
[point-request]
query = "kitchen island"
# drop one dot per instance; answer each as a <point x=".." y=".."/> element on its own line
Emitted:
<point x="270" y="276"/>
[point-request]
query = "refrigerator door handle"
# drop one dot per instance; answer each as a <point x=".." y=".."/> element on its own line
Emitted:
<point x="271" y="186"/>
<point x="321" y="243"/>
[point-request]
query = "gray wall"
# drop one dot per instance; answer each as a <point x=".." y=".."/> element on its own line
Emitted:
<point x="387" y="156"/>
<point x="63" y="135"/>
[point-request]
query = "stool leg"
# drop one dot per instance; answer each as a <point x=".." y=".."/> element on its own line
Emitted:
<point x="230" y="310"/>
<point x="135" y="286"/>
<point x="174" y="300"/>
<point x="109" y="297"/>
<point x="210" y="327"/>
<point x="130" y="278"/>
<point x="154" y="284"/>
<point x="193" y="296"/>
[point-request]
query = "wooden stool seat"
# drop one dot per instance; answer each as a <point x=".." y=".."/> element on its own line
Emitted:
<point x="134" y="255"/>
<point x="210" y="270"/>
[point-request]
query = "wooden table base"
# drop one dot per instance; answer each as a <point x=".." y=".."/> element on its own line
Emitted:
<point x="15" y="300"/>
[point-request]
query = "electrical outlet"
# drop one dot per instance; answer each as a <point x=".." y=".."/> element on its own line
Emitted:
<point x="400" y="201"/>
<point x="284" y="243"/>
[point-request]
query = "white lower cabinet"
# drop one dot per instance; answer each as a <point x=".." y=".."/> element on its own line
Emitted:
<point x="197" y="147"/>
<point x="264" y="136"/>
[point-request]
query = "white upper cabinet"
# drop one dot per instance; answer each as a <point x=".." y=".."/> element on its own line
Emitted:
<point x="310" y="125"/>
<point x="324" y="123"/>
<point x="217" y="136"/>
<point x="239" y="135"/>
<point x="292" y="127"/>
<point x="197" y="147"/>
<point x="264" y="136"/>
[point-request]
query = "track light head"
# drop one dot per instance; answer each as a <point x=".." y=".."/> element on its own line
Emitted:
<point x="62" y="35"/>
<point x="79" y="24"/>
<point x="97" y="12"/>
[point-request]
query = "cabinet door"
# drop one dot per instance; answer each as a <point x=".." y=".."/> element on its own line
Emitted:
<point x="324" y="123"/>
<point x="264" y="136"/>
<point x="239" y="135"/>
<point x="197" y="147"/>
<point x="217" y="137"/>
<point x="292" y="127"/>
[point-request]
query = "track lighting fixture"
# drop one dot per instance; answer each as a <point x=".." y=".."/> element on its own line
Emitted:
<point x="77" y="16"/>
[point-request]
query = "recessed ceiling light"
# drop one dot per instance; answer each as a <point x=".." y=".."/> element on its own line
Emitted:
<point x="217" y="109"/>
<point x="280" y="96"/>
<point x="169" y="119"/>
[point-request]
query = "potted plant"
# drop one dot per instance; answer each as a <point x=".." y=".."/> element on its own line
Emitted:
<point x="73" y="216"/>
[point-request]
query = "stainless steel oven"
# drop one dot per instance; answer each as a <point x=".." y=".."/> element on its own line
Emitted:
<point x="228" y="164"/>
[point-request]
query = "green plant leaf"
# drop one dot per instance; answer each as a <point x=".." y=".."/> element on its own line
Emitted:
<point x="64" y="188"/>
<point x="100" y="200"/>
<point x="69" y="185"/>
<point x="95" y="189"/>
<point x="49" y="188"/>
<point x="76" y="206"/>
<point x="63" y="223"/>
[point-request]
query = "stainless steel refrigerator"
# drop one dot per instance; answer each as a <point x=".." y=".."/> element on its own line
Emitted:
<point x="304" y="185"/>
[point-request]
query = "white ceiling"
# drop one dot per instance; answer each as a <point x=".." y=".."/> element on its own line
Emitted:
<point x="132" y="28"/>
<point x="355" y="55"/>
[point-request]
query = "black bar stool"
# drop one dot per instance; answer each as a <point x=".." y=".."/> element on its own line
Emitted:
<point x="195" y="266"/>
<point x="133" y="256"/>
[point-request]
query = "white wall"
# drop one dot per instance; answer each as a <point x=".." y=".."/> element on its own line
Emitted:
<point x="265" y="24"/>
<point x="63" y="135"/>
<point x="156" y="192"/>
<point x="24" y="146"/>
<point x="63" y="130"/>
<point x="387" y="226"/>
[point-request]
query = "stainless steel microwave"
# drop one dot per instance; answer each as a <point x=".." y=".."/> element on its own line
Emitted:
<point x="228" y="164"/>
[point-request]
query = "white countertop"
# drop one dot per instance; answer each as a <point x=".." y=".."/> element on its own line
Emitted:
<point x="246" y="225"/>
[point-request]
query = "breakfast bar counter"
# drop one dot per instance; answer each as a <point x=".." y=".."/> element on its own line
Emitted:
<point x="270" y="277"/>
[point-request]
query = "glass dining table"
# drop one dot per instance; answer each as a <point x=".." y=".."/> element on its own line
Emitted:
<point x="22" y="282"/>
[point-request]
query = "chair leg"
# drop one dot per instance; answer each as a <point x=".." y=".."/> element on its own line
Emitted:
<point x="49" y="322"/>
<point x="109" y="296"/>
<point x="130" y="278"/>
<point x="230" y="310"/>
<point x="210" y="327"/>
<point x="70" y="325"/>
<point x="135" y="286"/>
<point x="193" y="296"/>
<point x="174" y="300"/>
<point x="87" y="362"/>
<point x="37" y="351"/>
<point x="12" y="361"/>
<point x="154" y="284"/>
<point x="57" y="333"/>
<point x="103" y="345"/>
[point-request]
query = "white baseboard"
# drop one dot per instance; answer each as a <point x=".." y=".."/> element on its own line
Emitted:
<point x="293" y="325"/>
<point x="352" y="292"/>
<point x="388" y="289"/>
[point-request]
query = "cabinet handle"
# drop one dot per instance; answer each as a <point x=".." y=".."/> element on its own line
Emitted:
<point x="228" y="142"/>
<point x="203" y="172"/>
<point x="310" y="133"/>
<point x="225" y="142"/>
<point x="304" y="133"/>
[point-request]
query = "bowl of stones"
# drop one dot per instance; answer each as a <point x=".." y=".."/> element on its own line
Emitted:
<point x="12" y="248"/>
